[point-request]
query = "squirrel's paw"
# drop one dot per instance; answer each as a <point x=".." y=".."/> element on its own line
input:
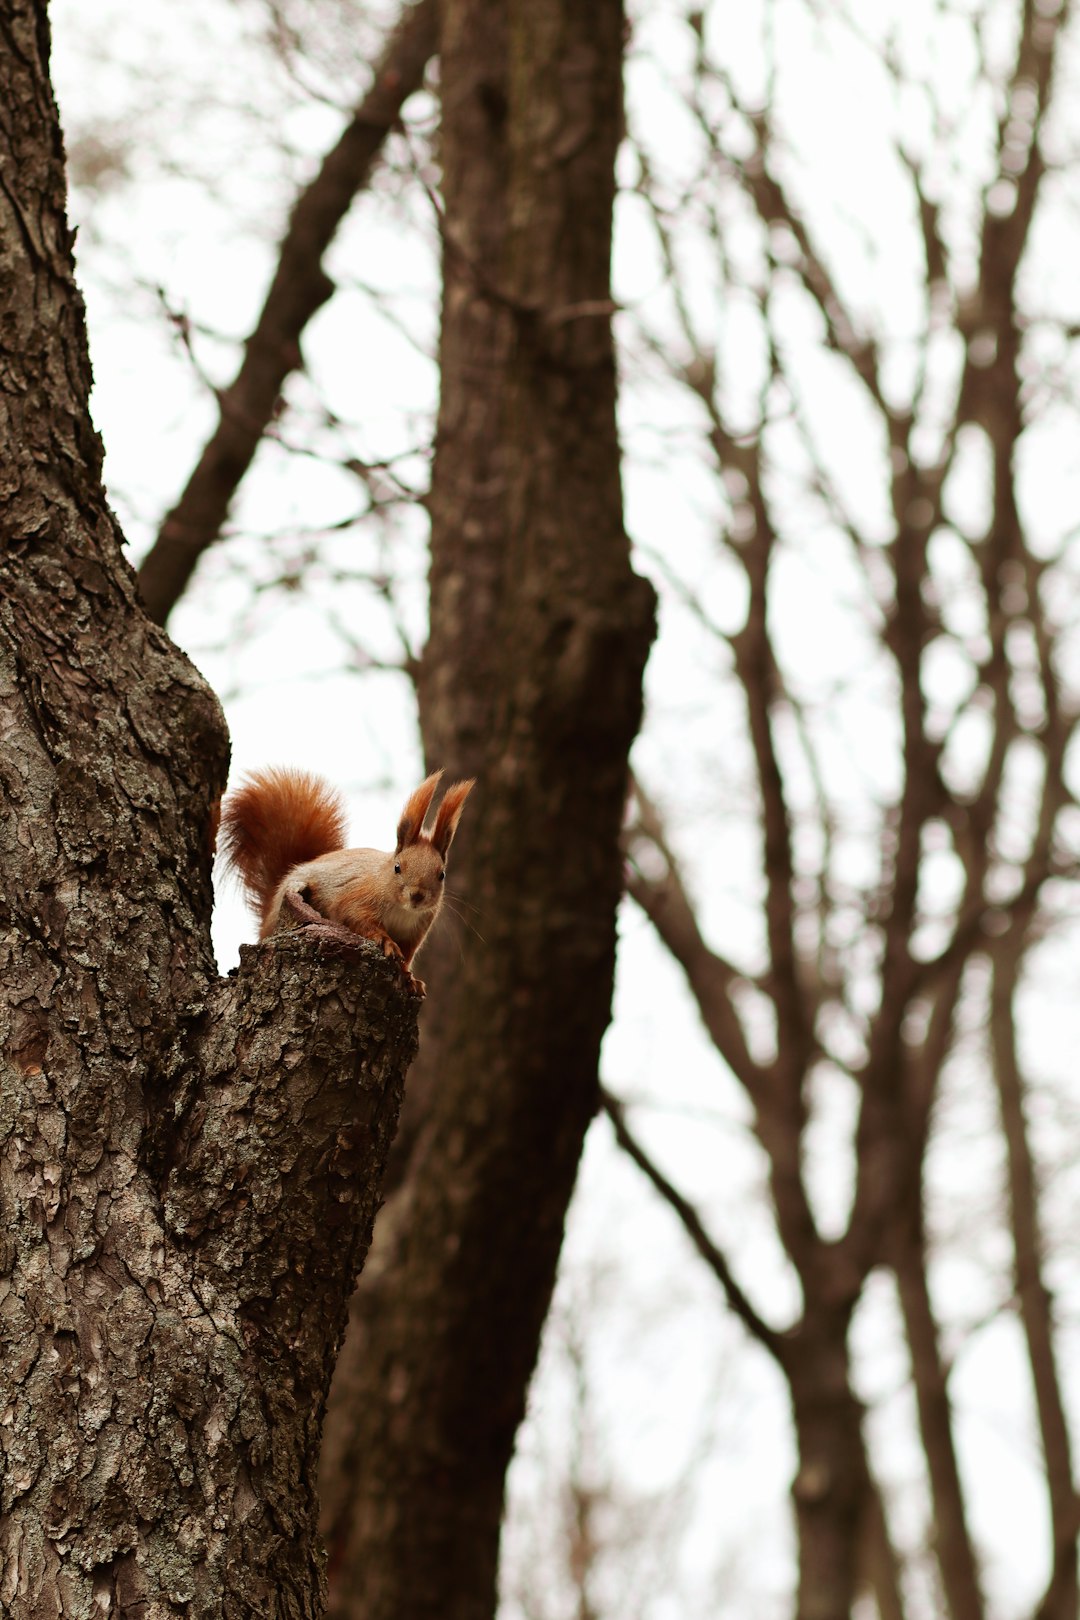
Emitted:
<point x="393" y="951"/>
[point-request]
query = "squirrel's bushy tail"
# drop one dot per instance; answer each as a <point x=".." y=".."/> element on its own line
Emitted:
<point x="275" y="820"/>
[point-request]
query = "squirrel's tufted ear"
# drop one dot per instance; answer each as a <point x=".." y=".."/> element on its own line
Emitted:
<point x="416" y="808"/>
<point x="453" y="802"/>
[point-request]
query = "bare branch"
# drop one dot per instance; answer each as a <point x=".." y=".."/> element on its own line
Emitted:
<point x="691" y="1223"/>
<point x="300" y="287"/>
<point x="668" y="907"/>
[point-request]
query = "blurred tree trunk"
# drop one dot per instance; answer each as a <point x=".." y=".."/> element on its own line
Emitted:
<point x="189" y="1167"/>
<point x="1032" y="1294"/>
<point x="531" y="681"/>
<point x="886" y="1017"/>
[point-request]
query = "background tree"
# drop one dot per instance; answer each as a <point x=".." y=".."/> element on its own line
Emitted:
<point x="531" y="681"/>
<point x="896" y="911"/>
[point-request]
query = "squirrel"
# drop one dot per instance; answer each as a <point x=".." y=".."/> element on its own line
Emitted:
<point x="283" y="834"/>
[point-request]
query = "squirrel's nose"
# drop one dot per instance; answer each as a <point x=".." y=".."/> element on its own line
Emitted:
<point x="416" y="896"/>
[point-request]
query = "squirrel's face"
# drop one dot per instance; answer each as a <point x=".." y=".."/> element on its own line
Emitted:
<point x="419" y="874"/>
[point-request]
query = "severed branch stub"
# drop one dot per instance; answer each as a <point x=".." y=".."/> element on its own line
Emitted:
<point x="275" y="1171"/>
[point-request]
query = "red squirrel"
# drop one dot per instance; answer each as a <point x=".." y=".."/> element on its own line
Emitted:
<point x="283" y="834"/>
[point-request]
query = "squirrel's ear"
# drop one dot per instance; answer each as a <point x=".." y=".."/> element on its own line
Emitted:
<point x="453" y="802"/>
<point x="416" y="808"/>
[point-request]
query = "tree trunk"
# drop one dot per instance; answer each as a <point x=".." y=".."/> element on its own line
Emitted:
<point x="830" y="1487"/>
<point x="955" y="1553"/>
<point x="1035" y="1301"/>
<point x="189" y="1167"/>
<point x="531" y="681"/>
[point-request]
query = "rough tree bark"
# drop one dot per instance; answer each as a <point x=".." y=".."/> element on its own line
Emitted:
<point x="531" y="681"/>
<point x="174" y="1149"/>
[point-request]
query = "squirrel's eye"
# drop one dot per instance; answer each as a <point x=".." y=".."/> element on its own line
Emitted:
<point x="441" y="876"/>
<point x="397" y="868"/>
